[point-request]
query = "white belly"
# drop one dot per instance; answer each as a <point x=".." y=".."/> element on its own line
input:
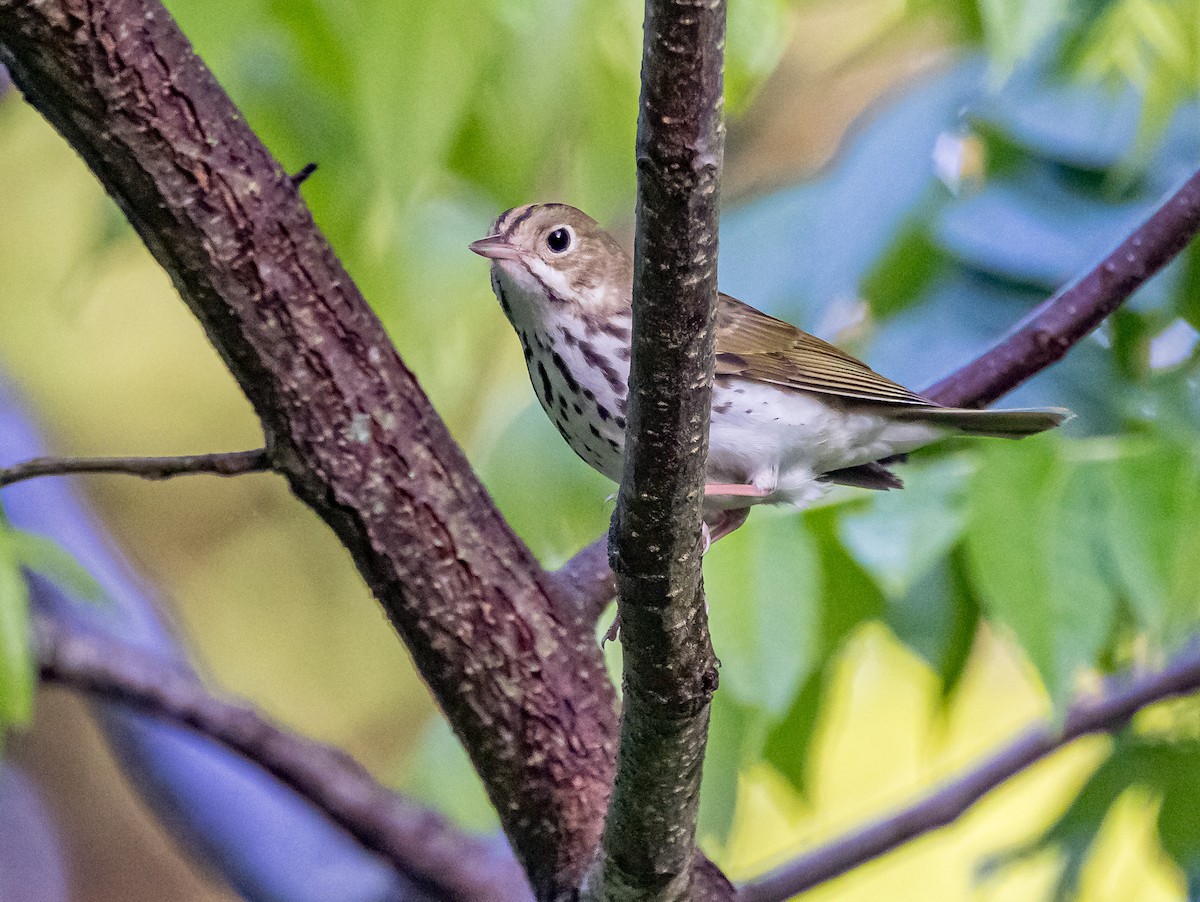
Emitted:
<point x="780" y="441"/>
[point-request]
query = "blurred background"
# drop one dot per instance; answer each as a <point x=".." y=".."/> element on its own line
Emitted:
<point x="907" y="179"/>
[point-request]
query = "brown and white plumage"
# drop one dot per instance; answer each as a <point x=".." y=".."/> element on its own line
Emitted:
<point x="790" y="413"/>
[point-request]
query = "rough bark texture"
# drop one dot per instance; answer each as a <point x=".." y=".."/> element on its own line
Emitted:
<point x="670" y="670"/>
<point x="345" y="421"/>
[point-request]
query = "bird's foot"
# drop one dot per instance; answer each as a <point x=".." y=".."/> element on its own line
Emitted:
<point x="614" y="631"/>
<point x="722" y="525"/>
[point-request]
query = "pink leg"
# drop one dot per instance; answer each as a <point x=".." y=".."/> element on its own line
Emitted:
<point x="614" y="631"/>
<point x="734" y="490"/>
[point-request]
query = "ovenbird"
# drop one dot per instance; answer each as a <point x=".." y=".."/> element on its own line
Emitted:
<point x="791" y="414"/>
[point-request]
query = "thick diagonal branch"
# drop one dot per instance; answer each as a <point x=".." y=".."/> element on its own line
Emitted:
<point x="346" y="422"/>
<point x="669" y="666"/>
<point x="420" y="843"/>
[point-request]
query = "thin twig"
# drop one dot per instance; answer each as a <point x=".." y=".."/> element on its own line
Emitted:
<point x="225" y="463"/>
<point x="420" y="843"/>
<point x="945" y="805"/>
<point x="670" y="672"/>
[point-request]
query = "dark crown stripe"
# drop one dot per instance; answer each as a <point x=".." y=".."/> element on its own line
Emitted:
<point x="499" y="224"/>
<point x="513" y="226"/>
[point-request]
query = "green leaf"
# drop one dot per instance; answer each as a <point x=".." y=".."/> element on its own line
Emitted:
<point x="49" y="559"/>
<point x="324" y="49"/>
<point x="1178" y="826"/>
<point x="1189" y="293"/>
<point x="735" y="739"/>
<point x="907" y="268"/>
<point x="763" y="584"/>
<point x="964" y="625"/>
<point x="1005" y="544"/>
<point x="1013" y="28"/>
<point x="1150" y="44"/>
<point x="559" y="508"/>
<point x="757" y="33"/>
<point x="937" y="618"/>
<point x="16" y="657"/>
<point x="1166" y="769"/>
<point x="1130" y="334"/>
<point x="903" y="539"/>
<point x="849" y="595"/>
<point x="768" y="605"/>
<point x="789" y="743"/>
<point x="1081" y="596"/>
<point x="1075" y="831"/>
<point x="402" y="61"/>
<point x="1037" y="545"/>
<point x="555" y="111"/>
<point x="898" y="536"/>
<point x="1152" y="535"/>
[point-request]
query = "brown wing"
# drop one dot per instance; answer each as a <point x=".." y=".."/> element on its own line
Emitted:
<point x="755" y="346"/>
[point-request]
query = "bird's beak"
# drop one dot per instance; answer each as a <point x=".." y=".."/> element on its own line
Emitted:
<point x="494" y="247"/>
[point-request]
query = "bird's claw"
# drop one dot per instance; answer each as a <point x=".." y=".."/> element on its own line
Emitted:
<point x="614" y="631"/>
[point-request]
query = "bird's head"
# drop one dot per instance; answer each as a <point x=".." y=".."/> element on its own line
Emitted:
<point x="553" y="255"/>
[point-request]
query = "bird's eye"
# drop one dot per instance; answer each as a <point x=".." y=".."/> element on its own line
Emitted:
<point x="559" y="240"/>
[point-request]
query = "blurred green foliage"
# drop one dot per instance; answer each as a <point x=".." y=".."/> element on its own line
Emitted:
<point x="1073" y="544"/>
<point x="23" y="553"/>
<point x="16" y="656"/>
<point x="1164" y="770"/>
<point x="956" y="206"/>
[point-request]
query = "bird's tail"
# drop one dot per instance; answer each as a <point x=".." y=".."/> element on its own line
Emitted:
<point x="1016" y="423"/>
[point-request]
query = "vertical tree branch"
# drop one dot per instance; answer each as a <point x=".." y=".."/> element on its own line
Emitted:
<point x="670" y="670"/>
